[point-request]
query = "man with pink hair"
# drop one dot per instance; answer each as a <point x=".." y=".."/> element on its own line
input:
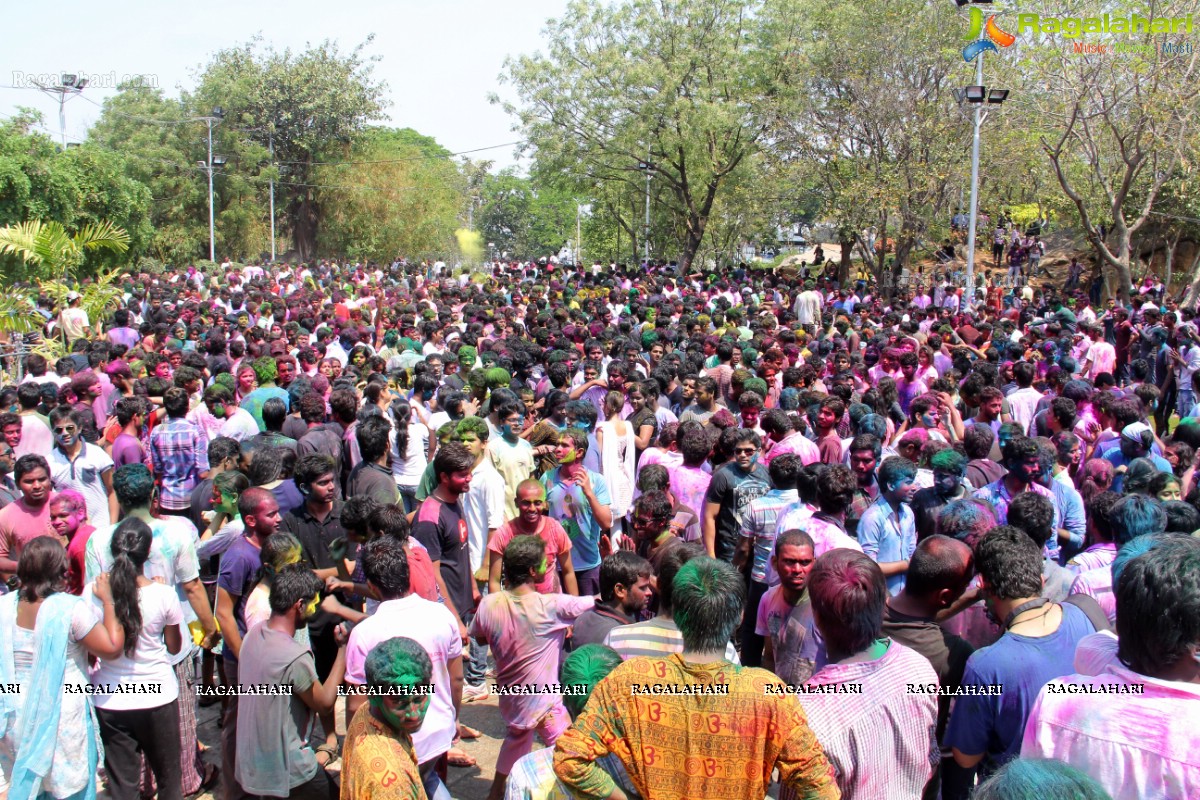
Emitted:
<point x="68" y="515"/>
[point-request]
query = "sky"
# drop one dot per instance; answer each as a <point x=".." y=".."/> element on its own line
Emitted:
<point x="440" y="59"/>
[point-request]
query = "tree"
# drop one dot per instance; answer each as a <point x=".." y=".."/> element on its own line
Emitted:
<point x="875" y="130"/>
<point x="525" y="217"/>
<point x="77" y="188"/>
<point x="1116" y="130"/>
<point x="309" y="106"/>
<point x="50" y="252"/>
<point x="162" y="146"/>
<point x="686" y="85"/>
<point x="399" y="194"/>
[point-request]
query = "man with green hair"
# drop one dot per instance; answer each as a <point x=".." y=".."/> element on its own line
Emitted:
<point x="266" y="372"/>
<point x="643" y="712"/>
<point x="949" y="475"/>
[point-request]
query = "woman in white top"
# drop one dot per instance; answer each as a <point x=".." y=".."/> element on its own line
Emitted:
<point x="279" y="550"/>
<point x="618" y="451"/>
<point x="412" y="448"/>
<point x="47" y="635"/>
<point x="136" y="693"/>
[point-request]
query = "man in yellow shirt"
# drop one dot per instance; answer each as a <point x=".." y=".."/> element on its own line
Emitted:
<point x="378" y="761"/>
<point x="693" y="724"/>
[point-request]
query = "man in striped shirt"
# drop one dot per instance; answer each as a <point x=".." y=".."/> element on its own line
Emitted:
<point x="179" y="451"/>
<point x="875" y="730"/>
<point x="660" y="636"/>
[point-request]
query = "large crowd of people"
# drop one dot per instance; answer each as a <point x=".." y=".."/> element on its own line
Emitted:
<point x="703" y="535"/>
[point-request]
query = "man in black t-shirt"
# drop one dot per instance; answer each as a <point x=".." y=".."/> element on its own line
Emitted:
<point x="317" y="523"/>
<point x="732" y="488"/>
<point x="441" y="528"/>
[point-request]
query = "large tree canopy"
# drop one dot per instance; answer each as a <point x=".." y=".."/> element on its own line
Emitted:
<point x="308" y="105"/>
<point x="688" y="86"/>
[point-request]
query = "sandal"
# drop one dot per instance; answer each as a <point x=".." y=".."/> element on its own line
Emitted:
<point x="331" y="751"/>
<point x="457" y="758"/>
<point x="211" y="773"/>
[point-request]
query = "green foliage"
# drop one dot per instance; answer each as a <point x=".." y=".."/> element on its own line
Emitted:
<point x="162" y="147"/>
<point x="402" y="198"/>
<point x="525" y="219"/>
<point x="309" y="105"/>
<point x="82" y="189"/>
<point x="688" y="85"/>
<point x="18" y="314"/>
<point x="47" y="250"/>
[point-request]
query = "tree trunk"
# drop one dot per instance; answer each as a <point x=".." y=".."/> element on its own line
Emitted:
<point x="1169" y="265"/>
<point x="1193" y="291"/>
<point x="305" y="217"/>
<point x="1122" y="266"/>
<point x="846" y="242"/>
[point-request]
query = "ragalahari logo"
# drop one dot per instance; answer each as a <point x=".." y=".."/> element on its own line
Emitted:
<point x="992" y="36"/>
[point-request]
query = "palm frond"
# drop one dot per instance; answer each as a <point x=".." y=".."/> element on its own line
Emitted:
<point x="22" y="240"/>
<point x="102" y="234"/>
<point x="18" y="315"/>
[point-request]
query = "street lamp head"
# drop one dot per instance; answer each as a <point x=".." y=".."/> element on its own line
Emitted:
<point x="81" y="83"/>
<point x="218" y="161"/>
<point x="997" y="96"/>
<point x="218" y="112"/>
<point x="976" y="94"/>
<point x="69" y="80"/>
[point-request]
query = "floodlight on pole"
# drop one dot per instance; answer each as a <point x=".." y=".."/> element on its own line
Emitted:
<point x="69" y="85"/>
<point x="984" y="38"/>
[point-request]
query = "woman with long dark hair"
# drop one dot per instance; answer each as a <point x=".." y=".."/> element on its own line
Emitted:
<point x="54" y="749"/>
<point x="412" y="448"/>
<point x="145" y="719"/>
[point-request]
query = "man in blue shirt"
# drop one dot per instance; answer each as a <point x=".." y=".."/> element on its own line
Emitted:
<point x="1038" y="645"/>
<point x="1137" y="441"/>
<point x="888" y="529"/>
<point x="579" y="500"/>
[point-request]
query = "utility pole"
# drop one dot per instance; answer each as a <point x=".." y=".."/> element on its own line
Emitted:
<point x="217" y="115"/>
<point x="69" y="86"/>
<point x="648" y="168"/>
<point x="271" y="147"/>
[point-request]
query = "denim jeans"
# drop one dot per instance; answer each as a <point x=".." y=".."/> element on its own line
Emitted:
<point x="408" y="497"/>
<point x="475" y="664"/>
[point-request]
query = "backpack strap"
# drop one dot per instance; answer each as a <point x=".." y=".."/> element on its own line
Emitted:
<point x="1088" y="605"/>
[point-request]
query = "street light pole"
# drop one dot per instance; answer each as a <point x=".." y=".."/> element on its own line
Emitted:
<point x="648" y="168"/>
<point x="216" y="116"/>
<point x="212" y="227"/>
<point x="974" y="189"/>
<point x="271" y="146"/>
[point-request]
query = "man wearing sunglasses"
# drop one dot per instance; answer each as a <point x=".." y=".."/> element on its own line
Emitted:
<point x="75" y="464"/>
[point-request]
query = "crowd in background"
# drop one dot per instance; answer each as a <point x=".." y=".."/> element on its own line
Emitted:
<point x="906" y="546"/>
